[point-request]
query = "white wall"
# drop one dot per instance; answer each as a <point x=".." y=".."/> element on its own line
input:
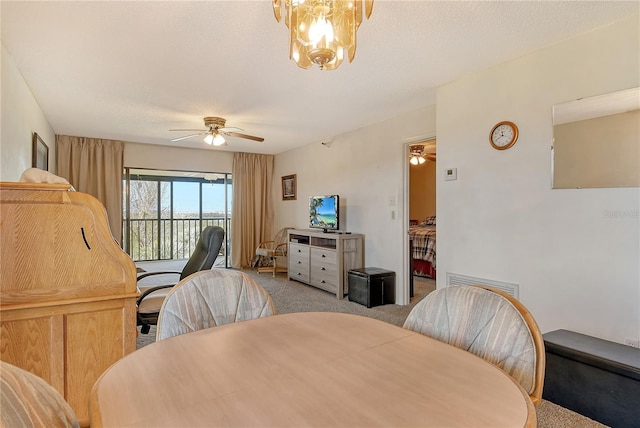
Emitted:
<point x="575" y="253"/>
<point x="366" y="168"/>
<point x="20" y="118"/>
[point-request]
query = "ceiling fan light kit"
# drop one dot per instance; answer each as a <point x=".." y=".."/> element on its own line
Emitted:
<point x="215" y="139"/>
<point x="218" y="140"/>
<point x="416" y="160"/>
<point x="415" y="156"/>
<point x="213" y="135"/>
<point x="418" y="155"/>
<point x="322" y="31"/>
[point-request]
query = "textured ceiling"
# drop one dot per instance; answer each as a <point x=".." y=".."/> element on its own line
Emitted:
<point x="133" y="70"/>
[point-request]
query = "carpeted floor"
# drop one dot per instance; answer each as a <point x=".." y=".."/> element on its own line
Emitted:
<point x="291" y="296"/>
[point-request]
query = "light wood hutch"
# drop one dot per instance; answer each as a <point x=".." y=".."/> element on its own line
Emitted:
<point x="323" y="259"/>
<point x="67" y="290"/>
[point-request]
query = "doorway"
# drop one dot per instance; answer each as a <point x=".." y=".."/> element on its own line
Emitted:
<point x="421" y="211"/>
<point x="422" y="181"/>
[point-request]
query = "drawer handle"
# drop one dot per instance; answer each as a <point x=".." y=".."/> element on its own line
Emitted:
<point x="299" y="273"/>
<point x="323" y="256"/>
<point x="299" y="251"/>
<point x="323" y="281"/>
<point x="299" y="262"/>
<point x="322" y="268"/>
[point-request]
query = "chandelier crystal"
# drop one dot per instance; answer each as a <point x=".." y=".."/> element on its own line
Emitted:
<point x="322" y="32"/>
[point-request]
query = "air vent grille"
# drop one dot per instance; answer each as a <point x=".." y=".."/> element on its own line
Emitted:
<point x="458" y="279"/>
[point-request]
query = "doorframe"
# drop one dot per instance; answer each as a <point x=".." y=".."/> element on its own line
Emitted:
<point x="406" y="188"/>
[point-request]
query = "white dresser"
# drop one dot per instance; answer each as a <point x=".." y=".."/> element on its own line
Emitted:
<point x="323" y="259"/>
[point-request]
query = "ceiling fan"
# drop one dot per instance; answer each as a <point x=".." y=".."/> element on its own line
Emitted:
<point x="213" y="135"/>
<point x="418" y="153"/>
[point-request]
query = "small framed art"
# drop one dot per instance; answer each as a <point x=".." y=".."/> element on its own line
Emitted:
<point x="40" y="153"/>
<point x="289" y="187"/>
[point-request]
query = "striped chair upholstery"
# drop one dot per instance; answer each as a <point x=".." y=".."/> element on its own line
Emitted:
<point x="211" y="298"/>
<point x="488" y="323"/>
<point x="28" y="401"/>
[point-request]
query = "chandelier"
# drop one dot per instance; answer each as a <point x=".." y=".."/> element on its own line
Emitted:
<point x="322" y="32"/>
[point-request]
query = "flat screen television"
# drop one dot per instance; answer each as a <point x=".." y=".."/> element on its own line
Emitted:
<point x="323" y="212"/>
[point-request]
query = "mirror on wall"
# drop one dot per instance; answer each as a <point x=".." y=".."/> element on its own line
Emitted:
<point x="596" y="141"/>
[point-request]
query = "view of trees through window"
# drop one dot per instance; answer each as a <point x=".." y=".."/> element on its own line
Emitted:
<point x="167" y="211"/>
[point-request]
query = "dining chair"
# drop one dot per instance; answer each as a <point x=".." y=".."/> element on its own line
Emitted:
<point x="202" y="258"/>
<point x="274" y="252"/>
<point x="27" y="400"/>
<point x="212" y="298"/>
<point x="489" y="323"/>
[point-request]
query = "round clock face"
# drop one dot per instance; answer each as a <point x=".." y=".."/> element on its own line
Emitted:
<point x="503" y="135"/>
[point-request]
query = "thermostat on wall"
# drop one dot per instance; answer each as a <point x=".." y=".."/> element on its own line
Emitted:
<point x="451" y="174"/>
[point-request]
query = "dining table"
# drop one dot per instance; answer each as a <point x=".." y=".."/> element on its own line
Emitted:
<point x="307" y="369"/>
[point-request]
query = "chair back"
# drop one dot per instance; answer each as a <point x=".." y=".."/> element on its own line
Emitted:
<point x="281" y="237"/>
<point x="488" y="323"/>
<point x="211" y="298"/>
<point x="206" y="251"/>
<point x="28" y="401"/>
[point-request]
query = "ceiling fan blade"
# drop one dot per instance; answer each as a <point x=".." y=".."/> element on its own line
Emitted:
<point x="230" y="129"/>
<point x="187" y="136"/>
<point x="191" y="130"/>
<point x="248" y="137"/>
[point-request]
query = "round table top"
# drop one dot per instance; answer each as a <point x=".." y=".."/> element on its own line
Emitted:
<point x="307" y="369"/>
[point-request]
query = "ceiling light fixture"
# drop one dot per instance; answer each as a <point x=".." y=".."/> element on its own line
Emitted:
<point x="218" y="140"/>
<point x="415" y="156"/>
<point x="214" y="137"/>
<point x="322" y="31"/>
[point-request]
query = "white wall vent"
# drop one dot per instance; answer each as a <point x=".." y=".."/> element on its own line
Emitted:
<point x="458" y="279"/>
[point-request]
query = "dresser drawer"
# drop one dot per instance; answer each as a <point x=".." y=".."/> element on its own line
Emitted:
<point x="323" y="257"/>
<point x="297" y="250"/>
<point x="298" y="257"/>
<point x="298" y="273"/>
<point x="326" y="281"/>
<point x="299" y="263"/>
<point x="326" y="271"/>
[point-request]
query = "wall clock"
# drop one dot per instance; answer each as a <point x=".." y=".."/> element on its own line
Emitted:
<point x="503" y="135"/>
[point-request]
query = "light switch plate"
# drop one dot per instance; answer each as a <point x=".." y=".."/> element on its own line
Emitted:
<point x="451" y="174"/>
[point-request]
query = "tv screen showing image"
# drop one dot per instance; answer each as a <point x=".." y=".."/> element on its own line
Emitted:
<point x="323" y="212"/>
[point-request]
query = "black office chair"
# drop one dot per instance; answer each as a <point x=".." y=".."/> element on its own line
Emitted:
<point x="203" y="257"/>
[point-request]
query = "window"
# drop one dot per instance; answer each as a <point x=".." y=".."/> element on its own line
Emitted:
<point x="165" y="212"/>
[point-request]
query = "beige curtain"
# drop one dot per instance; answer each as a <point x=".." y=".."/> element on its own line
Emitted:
<point x="94" y="166"/>
<point x="252" y="217"/>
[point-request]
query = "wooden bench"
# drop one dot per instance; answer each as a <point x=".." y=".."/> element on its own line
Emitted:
<point x="594" y="377"/>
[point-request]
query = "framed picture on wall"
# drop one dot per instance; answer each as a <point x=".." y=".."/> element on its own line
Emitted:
<point x="289" y="187"/>
<point x="40" y="153"/>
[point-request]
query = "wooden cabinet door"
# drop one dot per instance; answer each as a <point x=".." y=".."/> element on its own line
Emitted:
<point x="35" y="344"/>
